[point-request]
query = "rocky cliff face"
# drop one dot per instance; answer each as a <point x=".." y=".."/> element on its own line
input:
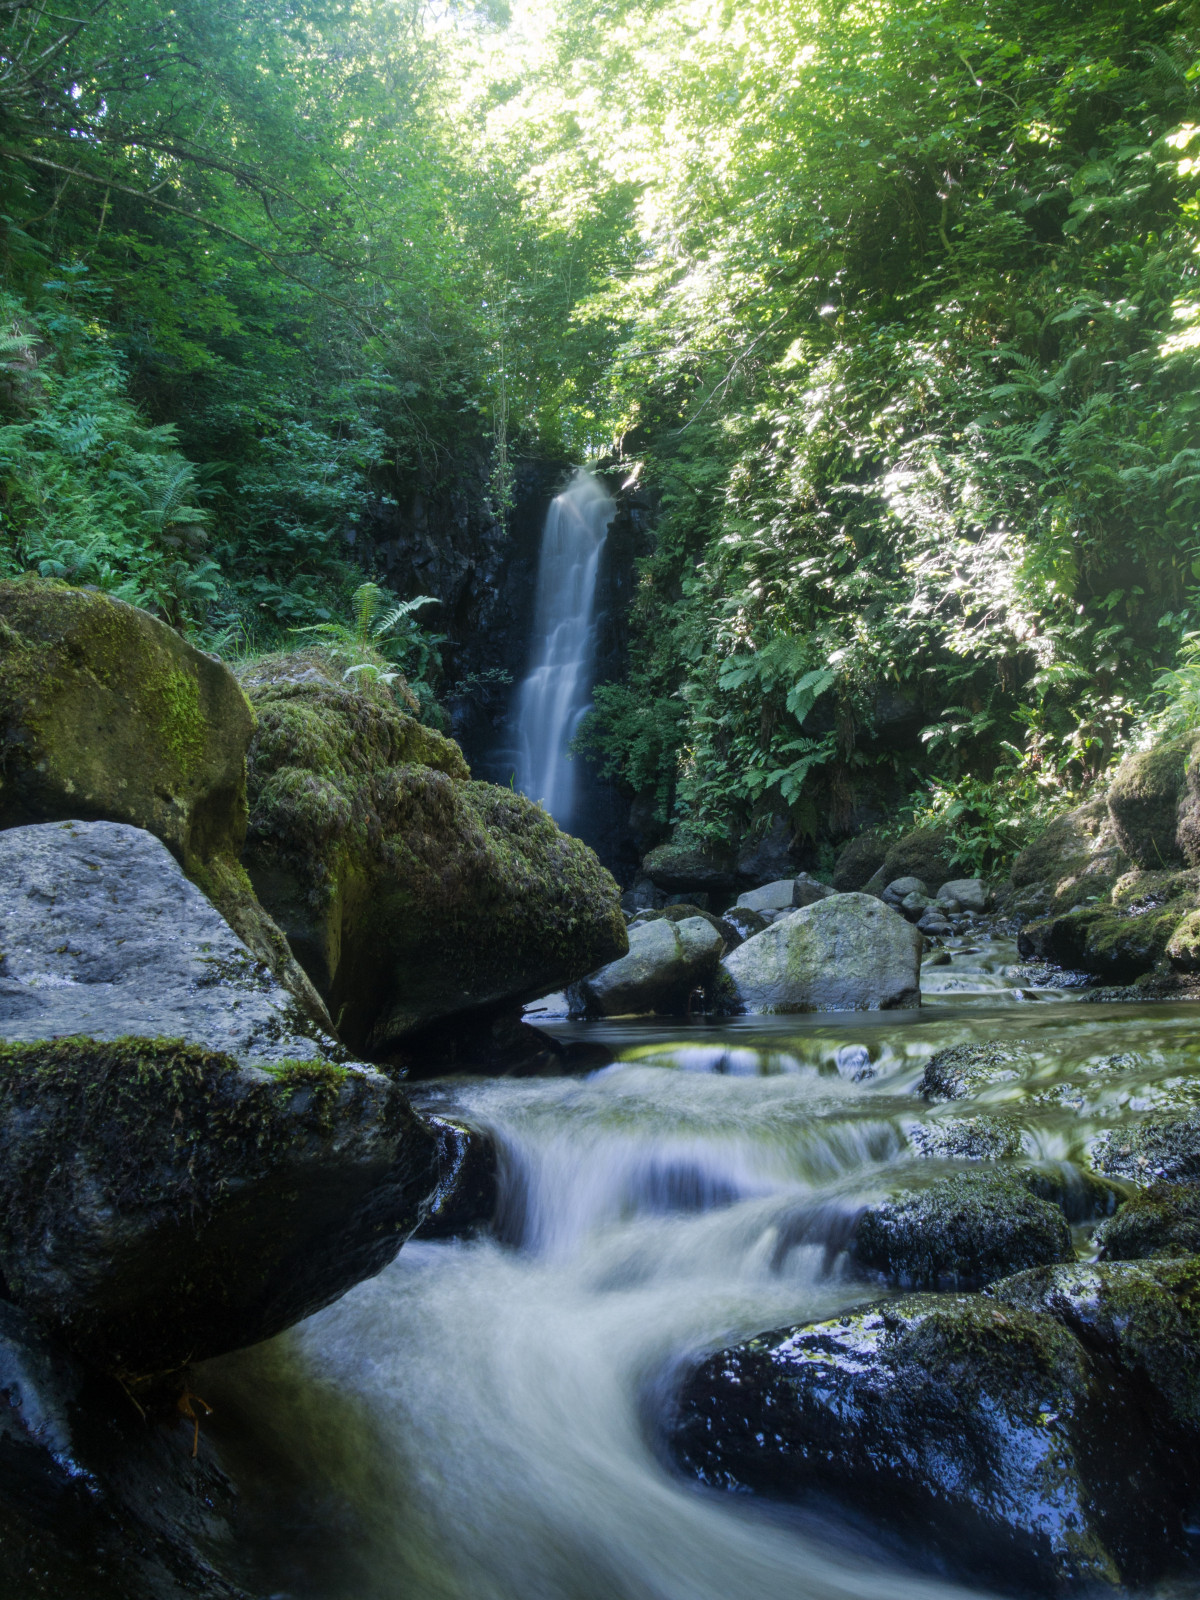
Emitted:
<point x="483" y="568"/>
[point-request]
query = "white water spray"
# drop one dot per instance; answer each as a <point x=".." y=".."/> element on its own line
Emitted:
<point x="556" y="691"/>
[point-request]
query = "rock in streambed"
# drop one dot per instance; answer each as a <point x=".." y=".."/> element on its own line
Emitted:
<point x="1042" y="1436"/>
<point x="185" y="1164"/>
<point x="849" y="952"/>
<point x="667" y="961"/>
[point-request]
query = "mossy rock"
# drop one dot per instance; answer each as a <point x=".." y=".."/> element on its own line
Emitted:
<point x="984" y="1434"/>
<point x="1145" y="800"/>
<point x="1114" y="945"/>
<point x="1163" y="1220"/>
<point x="961" y="1232"/>
<point x="858" y="862"/>
<point x="1160" y="1148"/>
<point x="925" y="853"/>
<point x="161" y="1203"/>
<point x="107" y="714"/>
<point x="1143" y="1316"/>
<point x="965" y="1070"/>
<point x="683" y="864"/>
<point x="409" y="893"/>
<point x="1075" y="859"/>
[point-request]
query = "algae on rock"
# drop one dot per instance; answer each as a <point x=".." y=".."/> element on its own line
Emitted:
<point x="409" y="892"/>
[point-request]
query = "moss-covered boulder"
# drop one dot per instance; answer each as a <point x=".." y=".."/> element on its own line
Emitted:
<point x="1075" y="859"/>
<point x="984" y="1434"/>
<point x="1143" y="1317"/>
<point x="1163" y="1149"/>
<point x="1163" y="1220"/>
<point x="965" y="1070"/>
<point x="924" y="853"/>
<point x="961" y="1232"/>
<point x="1147" y="799"/>
<point x="683" y="864"/>
<point x="409" y="893"/>
<point x="105" y="712"/>
<point x="161" y="1203"/>
<point x="859" y="861"/>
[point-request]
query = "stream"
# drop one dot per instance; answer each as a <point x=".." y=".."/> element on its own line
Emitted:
<point x="484" y="1420"/>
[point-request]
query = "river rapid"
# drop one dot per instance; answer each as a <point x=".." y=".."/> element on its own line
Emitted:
<point x="484" y="1420"/>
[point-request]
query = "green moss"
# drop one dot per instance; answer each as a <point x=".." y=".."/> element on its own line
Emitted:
<point x="180" y="721"/>
<point x="1143" y="801"/>
<point x="1163" y="1220"/>
<point x="371" y="845"/>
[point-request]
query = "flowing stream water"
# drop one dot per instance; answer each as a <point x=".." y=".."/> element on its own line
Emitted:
<point x="556" y="691"/>
<point x="484" y="1420"/>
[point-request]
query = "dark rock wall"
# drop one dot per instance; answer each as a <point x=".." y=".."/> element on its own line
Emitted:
<point x="484" y="570"/>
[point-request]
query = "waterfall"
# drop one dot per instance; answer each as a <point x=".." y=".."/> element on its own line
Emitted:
<point x="556" y="691"/>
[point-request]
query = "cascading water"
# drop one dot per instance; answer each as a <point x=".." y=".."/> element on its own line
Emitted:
<point x="482" y="1420"/>
<point x="555" y="692"/>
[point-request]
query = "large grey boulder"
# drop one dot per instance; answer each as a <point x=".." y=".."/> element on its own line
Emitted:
<point x="667" y="961"/>
<point x="185" y="1165"/>
<point x="847" y="953"/>
<point x="103" y="935"/>
<point x="969" y="894"/>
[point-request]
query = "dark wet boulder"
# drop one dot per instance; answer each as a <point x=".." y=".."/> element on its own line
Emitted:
<point x="965" y="1070"/>
<point x="101" y="1499"/>
<point x="739" y="924"/>
<point x="976" y="1138"/>
<point x="666" y="963"/>
<point x="1163" y="1220"/>
<point x="767" y="854"/>
<point x="409" y="893"/>
<point x="985" y="1435"/>
<point x="1160" y="1148"/>
<point x="960" y="1233"/>
<point x="846" y="953"/>
<point x="1115" y="944"/>
<point x="161" y="1203"/>
<point x="1142" y="1317"/>
<point x="468" y="1182"/>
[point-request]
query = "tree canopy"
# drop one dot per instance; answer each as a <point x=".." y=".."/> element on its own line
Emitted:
<point x="893" y="304"/>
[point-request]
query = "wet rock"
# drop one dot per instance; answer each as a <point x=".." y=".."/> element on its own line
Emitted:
<point x="960" y="1233"/>
<point x="898" y="890"/>
<point x="846" y="953"/>
<point x="981" y="1432"/>
<point x="780" y="896"/>
<point x="983" y="1138"/>
<point x="933" y="924"/>
<point x="681" y="865"/>
<point x="160" y="1202"/>
<point x="467" y="1191"/>
<point x="965" y="1070"/>
<point x="1183" y="947"/>
<point x="739" y="924"/>
<point x="1113" y="944"/>
<point x="1163" y="1220"/>
<point x="667" y="961"/>
<point x="101" y="934"/>
<point x="967" y="894"/>
<point x="409" y="893"/>
<point x="914" y="906"/>
<point x="853" y="1061"/>
<point x="97" y="1500"/>
<point x="1160" y="1148"/>
<point x="1144" y="1317"/>
<point x="858" y="862"/>
<point x="1075" y="859"/>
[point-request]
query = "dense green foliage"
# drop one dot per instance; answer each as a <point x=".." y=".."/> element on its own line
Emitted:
<point x="893" y="303"/>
